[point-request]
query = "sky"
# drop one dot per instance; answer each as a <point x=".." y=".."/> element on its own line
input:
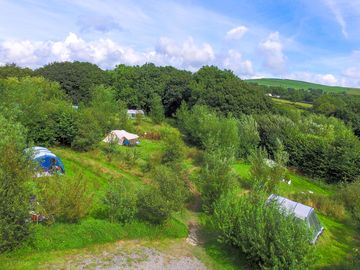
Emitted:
<point x="310" y="40"/>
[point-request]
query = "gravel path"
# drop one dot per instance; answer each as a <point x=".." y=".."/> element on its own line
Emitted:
<point x="135" y="258"/>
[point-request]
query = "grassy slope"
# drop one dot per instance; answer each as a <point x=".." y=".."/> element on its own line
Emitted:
<point x="304" y="85"/>
<point x="339" y="236"/>
<point x="62" y="240"/>
<point x="57" y="242"/>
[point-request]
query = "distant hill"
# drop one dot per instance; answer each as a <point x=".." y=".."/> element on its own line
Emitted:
<point x="304" y="85"/>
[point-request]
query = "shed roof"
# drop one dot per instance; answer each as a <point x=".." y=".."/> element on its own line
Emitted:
<point x="300" y="210"/>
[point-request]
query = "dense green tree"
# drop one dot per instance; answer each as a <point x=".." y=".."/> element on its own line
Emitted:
<point x="12" y="70"/>
<point x="157" y="110"/>
<point x="14" y="171"/>
<point x="216" y="177"/>
<point x="226" y="93"/>
<point x="41" y="107"/>
<point x="249" y="135"/>
<point x="75" y="78"/>
<point x="208" y="130"/>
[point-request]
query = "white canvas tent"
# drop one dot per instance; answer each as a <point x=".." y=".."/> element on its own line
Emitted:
<point x="300" y="211"/>
<point x="122" y="137"/>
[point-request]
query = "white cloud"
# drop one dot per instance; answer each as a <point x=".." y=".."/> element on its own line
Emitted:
<point x="105" y="52"/>
<point x="352" y="73"/>
<point x="327" y="79"/>
<point x="272" y="49"/>
<point x="337" y="12"/>
<point x="187" y="53"/>
<point x="234" y="62"/>
<point x="236" y="33"/>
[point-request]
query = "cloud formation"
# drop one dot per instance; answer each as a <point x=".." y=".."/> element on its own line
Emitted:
<point x="234" y="62"/>
<point x="105" y="52"/>
<point x="328" y="79"/>
<point x="187" y="53"/>
<point x="272" y="50"/>
<point x="236" y="33"/>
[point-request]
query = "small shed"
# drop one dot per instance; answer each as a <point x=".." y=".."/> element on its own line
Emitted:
<point x="132" y="113"/>
<point x="300" y="211"/>
<point x="122" y="137"/>
<point x="48" y="162"/>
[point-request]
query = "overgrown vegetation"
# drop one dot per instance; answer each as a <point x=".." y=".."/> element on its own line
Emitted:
<point x="222" y="150"/>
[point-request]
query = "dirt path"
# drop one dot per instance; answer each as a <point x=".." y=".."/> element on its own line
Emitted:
<point x="132" y="255"/>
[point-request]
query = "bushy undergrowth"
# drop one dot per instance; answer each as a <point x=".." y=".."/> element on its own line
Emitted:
<point x="349" y="194"/>
<point x="270" y="239"/>
<point x="326" y="205"/>
<point x="64" y="198"/>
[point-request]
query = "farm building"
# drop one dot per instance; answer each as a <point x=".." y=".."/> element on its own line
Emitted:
<point x="133" y="113"/>
<point x="300" y="211"/>
<point x="48" y="162"/>
<point x="122" y="137"/>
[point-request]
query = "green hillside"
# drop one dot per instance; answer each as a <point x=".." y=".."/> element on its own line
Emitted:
<point x="304" y="85"/>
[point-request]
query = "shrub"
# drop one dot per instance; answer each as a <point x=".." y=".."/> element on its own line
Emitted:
<point x="174" y="147"/>
<point x="120" y="203"/>
<point x="171" y="186"/>
<point x="153" y="206"/>
<point x="270" y="239"/>
<point x="350" y="195"/>
<point x="14" y="197"/>
<point x="216" y="178"/>
<point x="64" y="198"/>
<point x="157" y="110"/>
<point x="89" y="131"/>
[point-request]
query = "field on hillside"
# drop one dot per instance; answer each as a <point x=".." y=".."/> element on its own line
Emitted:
<point x="95" y="240"/>
<point x="304" y="85"/>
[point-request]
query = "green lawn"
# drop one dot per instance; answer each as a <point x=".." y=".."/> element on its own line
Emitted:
<point x="304" y="85"/>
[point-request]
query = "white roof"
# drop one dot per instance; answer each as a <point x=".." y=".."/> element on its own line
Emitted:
<point x="299" y="210"/>
<point x="124" y="134"/>
<point x="135" y="111"/>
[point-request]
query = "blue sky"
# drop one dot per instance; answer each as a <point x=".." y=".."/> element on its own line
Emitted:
<point x="316" y="41"/>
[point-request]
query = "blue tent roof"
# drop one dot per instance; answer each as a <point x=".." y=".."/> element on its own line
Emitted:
<point x="45" y="158"/>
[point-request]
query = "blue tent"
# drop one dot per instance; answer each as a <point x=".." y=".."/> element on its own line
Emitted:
<point x="46" y="159"/>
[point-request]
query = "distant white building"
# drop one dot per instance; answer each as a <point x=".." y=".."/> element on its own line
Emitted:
<point x="133" y="113"/>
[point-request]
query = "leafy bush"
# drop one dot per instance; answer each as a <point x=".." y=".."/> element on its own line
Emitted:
<point x="153" y="206"/>
<point x="14" y="171"/>
<point x="157" y="110"/>
<point x="270" y="239"/>
<point x="350" y="195"/>
<point x="248" y="134"/>
<point x="156" y="203"/>
<point x="216" y="178"/>
<point x="64" y="198"/>
<point x="120" y="203"/>
<point x="89" y="131"/>
<point x="174" y="147"/>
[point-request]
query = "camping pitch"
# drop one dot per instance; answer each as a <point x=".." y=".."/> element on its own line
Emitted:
<point x="122" y="137"/>
<point x="48" y="162"/>
<point x="300" y="211"/>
